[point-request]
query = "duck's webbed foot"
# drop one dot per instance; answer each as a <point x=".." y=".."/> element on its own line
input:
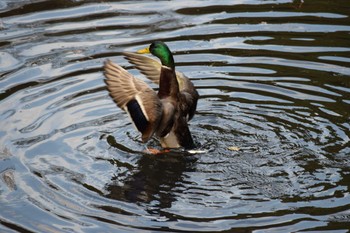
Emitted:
<point x="156" y="151"/>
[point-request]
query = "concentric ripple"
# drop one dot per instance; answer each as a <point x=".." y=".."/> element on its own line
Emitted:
<point x="273" y="118"/>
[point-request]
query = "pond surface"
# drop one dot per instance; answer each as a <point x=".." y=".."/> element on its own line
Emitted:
<point x="273" y="117"/>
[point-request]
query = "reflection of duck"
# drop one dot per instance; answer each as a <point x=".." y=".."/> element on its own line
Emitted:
<point x="165" y="113"/>
<point x="153" y="180"/>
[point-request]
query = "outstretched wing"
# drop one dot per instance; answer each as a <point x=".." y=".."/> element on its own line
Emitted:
<point x="135" y="97"/>
<point x="151" y="68"/>
<point x="146" y="65"/>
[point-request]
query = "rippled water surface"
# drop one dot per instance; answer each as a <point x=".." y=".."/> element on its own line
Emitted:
<point x="273" y="116"/>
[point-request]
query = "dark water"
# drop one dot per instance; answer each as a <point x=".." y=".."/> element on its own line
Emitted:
<point x="274" y="80"/>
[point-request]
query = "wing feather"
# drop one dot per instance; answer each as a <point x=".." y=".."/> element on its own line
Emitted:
<point x="134" y="96"/>
<point x="151" y="68"/>
<point x="147" y="66"/>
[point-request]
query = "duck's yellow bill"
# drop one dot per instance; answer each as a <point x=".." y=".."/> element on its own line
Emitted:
<point x="143" y="51"/>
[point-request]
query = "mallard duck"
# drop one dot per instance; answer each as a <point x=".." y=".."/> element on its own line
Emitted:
<point x="164" y="114"/>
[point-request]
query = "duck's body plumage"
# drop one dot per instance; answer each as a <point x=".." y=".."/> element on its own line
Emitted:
<point x="165" y="113"/>
<point x="152" y="69"/>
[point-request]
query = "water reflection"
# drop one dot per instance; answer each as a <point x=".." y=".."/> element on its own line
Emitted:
<point x="154" y="181"/>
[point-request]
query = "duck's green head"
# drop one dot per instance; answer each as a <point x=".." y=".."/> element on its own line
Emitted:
<point x="160" y="50"/>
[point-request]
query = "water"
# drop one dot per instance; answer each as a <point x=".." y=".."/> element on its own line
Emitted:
<point x="274" y="81"/>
